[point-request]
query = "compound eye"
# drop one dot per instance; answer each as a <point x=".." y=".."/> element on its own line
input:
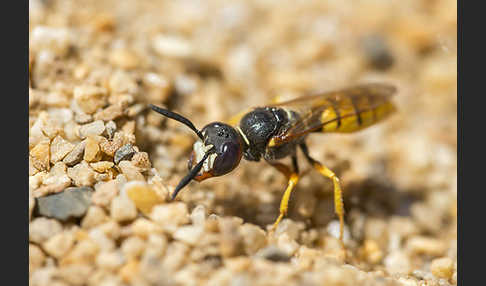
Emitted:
<point x="227" y="159"/>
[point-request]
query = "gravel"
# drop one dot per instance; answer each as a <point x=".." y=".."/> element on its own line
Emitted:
<point x="72" y="202"/>
<point x="95" y="66"/>
<point x="126" y="152"/>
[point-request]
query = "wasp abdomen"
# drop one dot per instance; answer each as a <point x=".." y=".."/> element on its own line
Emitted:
<point x="354" y="112"/>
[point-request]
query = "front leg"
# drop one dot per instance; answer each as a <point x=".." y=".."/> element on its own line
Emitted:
<point x="293" y="178"/>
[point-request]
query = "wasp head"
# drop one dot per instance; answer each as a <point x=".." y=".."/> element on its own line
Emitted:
<point x="224" y="146"/>
<point x="217" y="152"/>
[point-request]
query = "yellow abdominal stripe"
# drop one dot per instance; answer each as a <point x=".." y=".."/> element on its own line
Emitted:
<point x="349" y="121"/>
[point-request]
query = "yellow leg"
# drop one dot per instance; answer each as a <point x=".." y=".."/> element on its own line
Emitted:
<point x="284" y="203"/>
<point x="293" y="178"/>
<point x="338" y="198"/>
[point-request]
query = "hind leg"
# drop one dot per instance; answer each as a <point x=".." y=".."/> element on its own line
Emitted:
<point x="338" y="199"/>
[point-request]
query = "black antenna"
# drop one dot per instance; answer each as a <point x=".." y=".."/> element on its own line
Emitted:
<point x="189" y="176"/>
<point x="177" y="117"/>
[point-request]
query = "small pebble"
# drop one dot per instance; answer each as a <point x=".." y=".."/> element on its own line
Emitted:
<point x="377" y="52"/>
<point x="82" y="174"/>
<point x="94" y="217"/>
<point x="129" y="271"/>
<point x="175" y="257"/>
<point x="36" y="257"/>
<point x="94" y="128"/>
<point x="83" y="252"/>
<point x="72" y="202"/>
<point x="90" y="98"/>
<point x="189" y="234"/>
<point x="426" y="245"/>
<point x="133" y="247"/>
<point x="254" y="238"/>
<point x="36" y="180"/>
<point x="104" y="22"/>
<point x="231" y="241"/>
<point x="198" y="215"/>
<point x="76" y="155"/>
<point x="41" y="229"/>
<point x="172" y="46"/>
<point x="123" y="209"/>
<point x="334" y="228"/>
<point x="285" y="243"/>
<point x="129" y="128"/>
<point x="407" y="282"/>
<point x="57" y="175"/>
<point x="274" y="254"/>
<point x="141" y="160"/>
<point x="60" y="148"/>
<point x="160" y="86"/>
<point x="122" y="85"/>
<point x="104" y="193"/>
<point x="103" y="241"/>
<point x="71" y="131"/>
<point x="58" y="245"/>
<point x="110" y="260"/>
<point x="101" y="166"/>
<point x="43" y="276"/>
<point x="442" y="267"/>
<point x="290" y="227"/>
<point x="91" y="150"/>
<point x="32" y="169"/>
<point x="372" y="252"/>
<point x="41" y="153"/>
<point x="124" y="58"/>
<point x="144" y="227"/>
<point x="110" y="147"/>
<point x="170" y="216"/>
<point x="124" y="153"/>
<point x="82" y="118"/>
<point x="110" y="129"/>
<point x="110" y="113"/>
<point x="55" y="39"/>
<point x="143" y="195"/>
<point x="135" y="109"/>
<point x="75" y="274"/>
<point x="36" y="135"/>
<point x="397" y="262"/>
<point x="131" y="172"/>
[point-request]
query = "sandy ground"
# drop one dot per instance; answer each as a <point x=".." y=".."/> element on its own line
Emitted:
<point x="95" y="65"/>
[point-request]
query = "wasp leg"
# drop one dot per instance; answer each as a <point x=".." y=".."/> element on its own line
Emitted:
<point x="293" y="178"/>
<point x="338" y="198"/>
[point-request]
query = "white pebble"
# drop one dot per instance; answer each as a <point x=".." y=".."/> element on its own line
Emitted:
<point x="189" y="234"/>
<point x="333" y="229"/>
<point x="123" y="209"/>
<point x="172" y="46"/>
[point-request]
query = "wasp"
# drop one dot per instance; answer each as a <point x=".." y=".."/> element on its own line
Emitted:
<point x="276" y="131"/>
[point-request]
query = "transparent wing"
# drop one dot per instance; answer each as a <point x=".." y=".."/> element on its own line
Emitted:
<point x="346" y="110"/>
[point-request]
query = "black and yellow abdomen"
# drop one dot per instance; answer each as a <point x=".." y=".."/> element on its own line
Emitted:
<point x="354" y="112"/>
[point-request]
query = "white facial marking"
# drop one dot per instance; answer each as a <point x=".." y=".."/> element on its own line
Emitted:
<point x="200" y="149"/>
<point x="208" y="164"/>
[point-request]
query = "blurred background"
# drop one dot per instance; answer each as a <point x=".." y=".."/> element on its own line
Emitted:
<point x="211" y="59"/>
